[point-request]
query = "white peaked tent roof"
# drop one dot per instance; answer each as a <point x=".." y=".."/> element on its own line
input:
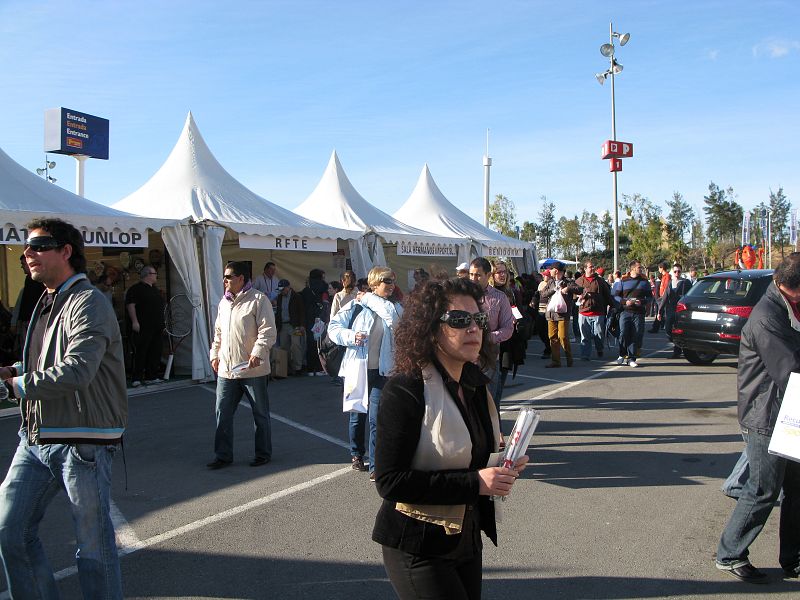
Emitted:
<point x="25" y="196"/>
<point x="428" y="205"/>
<point x="192" y="183"/>
<point x="337" y="202"/>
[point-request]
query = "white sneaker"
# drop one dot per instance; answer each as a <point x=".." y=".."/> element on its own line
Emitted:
<point x="621" y="360"/>
<point x="633" y="363"/>
<point x="153" y="381"/>
<point x="320" y="373"/>
<point x="136" y="383"/>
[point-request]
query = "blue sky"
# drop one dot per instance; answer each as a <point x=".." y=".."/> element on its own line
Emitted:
<point x="710" y="91"/>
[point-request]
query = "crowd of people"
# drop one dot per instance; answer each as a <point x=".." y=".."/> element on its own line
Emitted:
<point x="435" y="363"/>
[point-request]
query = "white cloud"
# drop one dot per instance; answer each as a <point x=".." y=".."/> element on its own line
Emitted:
<point x="775" y="48"/>
<point x="712" y="54"/>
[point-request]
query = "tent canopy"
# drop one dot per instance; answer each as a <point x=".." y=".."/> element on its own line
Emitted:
<point x="25" y="196"/>
<point x="192" y="183"/>
<point x="337" y="202"/>
<point x="428" y="206"/>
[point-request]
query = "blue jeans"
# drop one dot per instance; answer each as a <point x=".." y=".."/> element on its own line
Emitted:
<point x="498" y="384"/>
<point x="229" y="393"/>
<point x="768" y="475"/>
<point x="375" y="381"/>
<point x="631" y="330"/>
<point x="357" y="428"/>
<point x="35" y="476"/>
<point x="732" y="487"/>
<point x="593" y="330"/>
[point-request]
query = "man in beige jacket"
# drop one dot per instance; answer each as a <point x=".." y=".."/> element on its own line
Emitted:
<point x="243" y="335"/>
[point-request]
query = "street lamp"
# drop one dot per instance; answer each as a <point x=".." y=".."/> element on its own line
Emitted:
<point x="614" y="68"/>
<point x="48" y="165"/>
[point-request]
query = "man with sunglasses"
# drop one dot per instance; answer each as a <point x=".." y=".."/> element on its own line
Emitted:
<point x="676" y="288"/>
<point x="144" y="307"/>
<point x="74" y="408"/>
<point x="244" y="333"/>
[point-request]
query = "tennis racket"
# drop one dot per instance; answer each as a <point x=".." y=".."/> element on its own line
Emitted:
<point x="178" y="320"/>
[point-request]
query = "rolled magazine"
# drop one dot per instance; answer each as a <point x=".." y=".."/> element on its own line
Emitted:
<point x="517" y="444"/>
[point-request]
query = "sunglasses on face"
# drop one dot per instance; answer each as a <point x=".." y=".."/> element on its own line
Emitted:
<point x="387" y="281"/>
<point x="229" y="276"/>
<point x="460" y="319"/>
<point x="43" y="243"/>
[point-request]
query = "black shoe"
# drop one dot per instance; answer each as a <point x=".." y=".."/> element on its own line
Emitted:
<point x="791" y="573"/>
<point x="258" y="461"/>
<point x="217" y="464"/>
<point x="358" y="464"/>
<point x="747" y="573"/>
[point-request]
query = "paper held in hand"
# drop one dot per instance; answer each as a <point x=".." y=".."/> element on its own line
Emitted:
<point x="785" y="440"/>
<point x="520" y="438"/>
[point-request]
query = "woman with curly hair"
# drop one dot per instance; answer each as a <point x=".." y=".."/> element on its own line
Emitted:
<point x="436" y="430"/>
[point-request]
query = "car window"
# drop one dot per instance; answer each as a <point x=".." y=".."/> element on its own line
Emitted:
<point x="721" y="288"/>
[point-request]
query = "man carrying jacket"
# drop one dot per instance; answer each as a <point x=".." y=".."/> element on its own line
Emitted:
<point x="768" y="354"/>
<point x="74" y="407"/>
<point x="244" y="332"/>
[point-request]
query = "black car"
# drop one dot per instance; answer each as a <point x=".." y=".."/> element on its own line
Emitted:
<point x="709" y="319"/>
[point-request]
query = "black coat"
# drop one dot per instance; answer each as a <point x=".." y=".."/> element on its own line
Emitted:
<point x="399" y="426"/>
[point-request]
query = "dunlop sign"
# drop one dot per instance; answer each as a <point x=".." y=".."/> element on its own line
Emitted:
<point x="293" y="243"/>
<point x="426" y="249"/>
<point x="116" y="238"/>
<point x="503" y="251"/>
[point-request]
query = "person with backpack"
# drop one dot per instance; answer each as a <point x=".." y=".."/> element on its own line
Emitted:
<point x="366" y="326"/>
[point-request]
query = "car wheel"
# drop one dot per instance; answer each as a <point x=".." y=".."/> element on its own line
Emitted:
<point x="699" y="358"/>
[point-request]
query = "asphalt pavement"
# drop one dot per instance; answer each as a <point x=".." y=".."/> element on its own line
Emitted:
<point x="621" y="500"/>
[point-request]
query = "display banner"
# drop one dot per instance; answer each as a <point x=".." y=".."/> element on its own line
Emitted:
<point x="745" y="228"/>
<point x="503" y="251"/>
<point x="426" y="249"/>
<point x="293" y="243"/>
<point x="68" y="131"/>
<point x="11" y="233"/>
<point x="793" y="227"/>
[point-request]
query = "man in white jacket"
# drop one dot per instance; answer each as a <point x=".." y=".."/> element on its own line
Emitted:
<point x="243" y="335"/>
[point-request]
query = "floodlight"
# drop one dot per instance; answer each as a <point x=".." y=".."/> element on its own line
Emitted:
<point x="40" y="171"/>
<point x="51" y="165"/>
<point x="52" y="179"/>
<point x="623" y="38"/>
<point x="607" y="50"/>
<point x="616" y="68"/>
<point x="601" y="79"/>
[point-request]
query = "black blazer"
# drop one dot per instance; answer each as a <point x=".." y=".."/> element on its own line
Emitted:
<point x="399" y="423"/>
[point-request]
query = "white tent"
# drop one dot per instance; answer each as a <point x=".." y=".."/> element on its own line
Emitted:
<point x="25" y="196"/>
<point x="192" y="184"/>
<point x="427" y="206"/>
<point x="337" y="202"/>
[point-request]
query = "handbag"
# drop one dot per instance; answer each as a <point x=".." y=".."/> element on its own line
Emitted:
<point x="356" y="390"/>
<point x="557" y="303"/>
<point x="330" y="353"/>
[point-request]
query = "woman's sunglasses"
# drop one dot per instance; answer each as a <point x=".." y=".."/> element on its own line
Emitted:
<point x="43" y="243"/>
<point x="460" y="319"/>
<point x="388" y="280"/>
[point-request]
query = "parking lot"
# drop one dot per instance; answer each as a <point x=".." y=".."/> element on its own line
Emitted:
<point x="622" y="498"/>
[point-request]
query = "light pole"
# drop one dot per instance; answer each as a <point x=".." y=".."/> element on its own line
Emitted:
<point x="48" y="165"/>
<point x="615" y="68"/>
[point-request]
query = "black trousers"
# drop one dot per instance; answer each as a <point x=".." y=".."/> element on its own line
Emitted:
<point x="417" y="577"/>
<point x="147" y="348"/>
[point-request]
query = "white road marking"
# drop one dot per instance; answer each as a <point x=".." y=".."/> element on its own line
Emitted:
<point x="126" y="536"/>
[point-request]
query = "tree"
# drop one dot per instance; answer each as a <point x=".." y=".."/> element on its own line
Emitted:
<point x="568" y="236"/>
<point x="502" y="215"/>
<point x="723" y="214"/>
<point x="643" y="227"/>
<point x="528" y="231"/>
<point x="680" y="217"/>
<point x="590" y="230"/>
<point x="546" y="229"/>
<point x="607" y="231"/>
<point x="780" y="206"/>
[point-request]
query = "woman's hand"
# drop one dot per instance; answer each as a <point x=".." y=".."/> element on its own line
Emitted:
<point x="496" y="481"/>
<point x="520" y="465"/>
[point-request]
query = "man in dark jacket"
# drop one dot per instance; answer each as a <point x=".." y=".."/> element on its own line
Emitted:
<point x="631" y="293"/>
<point x="74" y="407"/>
<point x="315" y="297"/>
<point x="593" y="304"/>
<point x="290" y="321"/>
<point x="676" y="288"/>
<point x="768" y="354"/>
